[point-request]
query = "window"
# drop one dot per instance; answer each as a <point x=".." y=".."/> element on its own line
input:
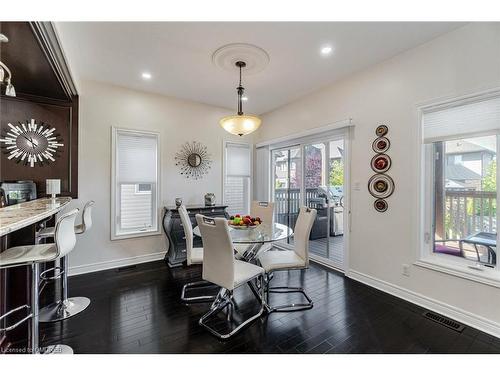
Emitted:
<point x="135" y="184"/>
<point x="461" y="143"/>
<point x="238" y="168"/>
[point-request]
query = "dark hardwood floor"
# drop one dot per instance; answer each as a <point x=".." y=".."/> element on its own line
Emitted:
<point x="139" y="311"/>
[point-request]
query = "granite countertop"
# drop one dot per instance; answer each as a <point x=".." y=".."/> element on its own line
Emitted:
<point x="23" y="214"/>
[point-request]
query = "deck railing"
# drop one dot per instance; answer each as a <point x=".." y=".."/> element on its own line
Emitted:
<point x="468" y="212"/>
<point x="287" y="204"/>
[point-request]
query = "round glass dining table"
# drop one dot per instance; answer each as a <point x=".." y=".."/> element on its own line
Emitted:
<point x="256" y="236"/>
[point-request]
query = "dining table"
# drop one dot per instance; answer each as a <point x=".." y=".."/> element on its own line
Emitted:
<point x="255" y="238"/>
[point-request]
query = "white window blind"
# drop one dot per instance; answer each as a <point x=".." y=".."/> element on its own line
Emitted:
<point x="461" y="118"/>
<point x="262" y="163"/>
<point x="238" y="172"/>
<point x="135" y="188"/>
<point x="136" y="157"/>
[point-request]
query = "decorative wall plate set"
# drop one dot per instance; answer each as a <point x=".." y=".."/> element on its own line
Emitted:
<point x="381" y="186"/>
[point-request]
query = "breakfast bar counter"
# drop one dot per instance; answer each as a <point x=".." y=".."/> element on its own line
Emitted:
<point x="18" y="226"/>
<point x="27" y="213"/>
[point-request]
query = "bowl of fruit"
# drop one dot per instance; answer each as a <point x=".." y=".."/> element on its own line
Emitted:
<point x="244" y="222"/>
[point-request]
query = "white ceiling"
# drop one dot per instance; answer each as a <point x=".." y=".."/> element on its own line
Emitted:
<point x="179" y="55"/>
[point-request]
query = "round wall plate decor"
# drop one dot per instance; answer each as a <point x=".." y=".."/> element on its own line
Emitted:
<point x="380" y="205"/>
<point x="381" y="186"/>
<point x="381" y="145"/>
<point x="381" y="130"/>
<point x="381" y="163"/>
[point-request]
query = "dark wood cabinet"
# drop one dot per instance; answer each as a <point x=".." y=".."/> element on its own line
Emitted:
<point x="174" y="231"/>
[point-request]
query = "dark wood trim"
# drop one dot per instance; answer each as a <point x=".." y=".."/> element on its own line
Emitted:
<point x="46" y="36"/>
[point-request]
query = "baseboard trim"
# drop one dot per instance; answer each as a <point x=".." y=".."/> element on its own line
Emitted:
<point x="483" y="324"/>
<point x="110" y="264"/>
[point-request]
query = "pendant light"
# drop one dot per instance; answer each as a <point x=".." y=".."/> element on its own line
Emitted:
<point x="240" y="124"/>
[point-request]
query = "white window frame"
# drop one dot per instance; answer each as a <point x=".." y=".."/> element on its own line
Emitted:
<point x="426" y="257"/>
<point x="156" y="197"/>
<point x="224" y="164"/>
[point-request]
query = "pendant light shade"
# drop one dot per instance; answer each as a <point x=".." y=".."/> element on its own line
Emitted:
<point x="240" y="124"/>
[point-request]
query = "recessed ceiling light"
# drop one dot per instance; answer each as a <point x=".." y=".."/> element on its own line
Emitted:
<point x="326" y="50"/>
<point x="244" y="98"/>
<point x="146" y="75"/>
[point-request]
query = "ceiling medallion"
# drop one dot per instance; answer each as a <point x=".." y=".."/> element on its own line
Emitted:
<point x="255" y="58"/>
<point x="240" y="124"/>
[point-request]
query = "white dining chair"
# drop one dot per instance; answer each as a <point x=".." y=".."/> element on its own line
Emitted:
<point x="264" y="210"/>
<point x="221" y="268"/>
<point x="285" y="260"/>
<point x="194" y="255"/>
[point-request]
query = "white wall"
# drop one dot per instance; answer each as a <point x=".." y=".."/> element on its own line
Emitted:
<point x="103" y="106"/>
<point x="461" y="62"/>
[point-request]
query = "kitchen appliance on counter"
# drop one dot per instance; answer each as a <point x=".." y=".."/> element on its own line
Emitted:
<point x="209" y="199"/>
<point x="17" y="192"/>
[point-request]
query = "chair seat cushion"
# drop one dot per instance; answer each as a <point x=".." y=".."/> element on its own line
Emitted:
<point x="20" y="255"/>
<point x="244" y="271"/>
<point x="443" y="249"/>
<point x="277" y="259"/>
<point x="196" y="256"/>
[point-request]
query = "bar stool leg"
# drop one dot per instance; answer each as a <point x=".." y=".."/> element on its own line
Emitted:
<point x="33" y="338"/>
<point x="65" y="307"/>
<point x="33" y="328"/>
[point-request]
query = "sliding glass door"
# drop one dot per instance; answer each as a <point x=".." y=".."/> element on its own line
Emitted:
<point x="287" y="172"/>
<point x="312" y="174"/>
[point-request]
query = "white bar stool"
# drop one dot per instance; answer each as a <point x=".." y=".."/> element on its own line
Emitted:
<point x="65" y="307"/>
<point x="65" y="240"/>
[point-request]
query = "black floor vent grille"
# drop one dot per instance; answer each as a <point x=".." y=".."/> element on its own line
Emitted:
<point x="126" y="268"/>
<point x="451" y="324"/>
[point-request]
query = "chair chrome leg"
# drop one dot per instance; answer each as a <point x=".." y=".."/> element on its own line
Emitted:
<point x="33" y="340"/>
<point x="222" y="300"/>
<point x="288" y="307"/>
<point x="196" y="285"/>
<point x="66" y="307"/>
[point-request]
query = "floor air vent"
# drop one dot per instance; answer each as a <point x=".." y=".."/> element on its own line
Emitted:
<point x="451" y="324"/>
<point x="126" y="268"/>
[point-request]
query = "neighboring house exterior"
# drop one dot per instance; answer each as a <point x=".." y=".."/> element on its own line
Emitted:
<point x="467" y="164"/>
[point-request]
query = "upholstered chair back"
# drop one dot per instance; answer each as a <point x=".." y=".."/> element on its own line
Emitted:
<point x="218" y="256"/>
<point x="87" y="215"/>
<point x="302" y="232"/>
<point x="264" y="210"/>
<point x="188" y="233"/>
<point x="64" y="235"/>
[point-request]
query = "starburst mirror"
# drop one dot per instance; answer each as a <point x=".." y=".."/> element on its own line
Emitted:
<point x="193" y="160"/>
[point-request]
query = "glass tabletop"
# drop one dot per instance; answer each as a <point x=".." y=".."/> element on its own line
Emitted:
<point x="260" y="234"/>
